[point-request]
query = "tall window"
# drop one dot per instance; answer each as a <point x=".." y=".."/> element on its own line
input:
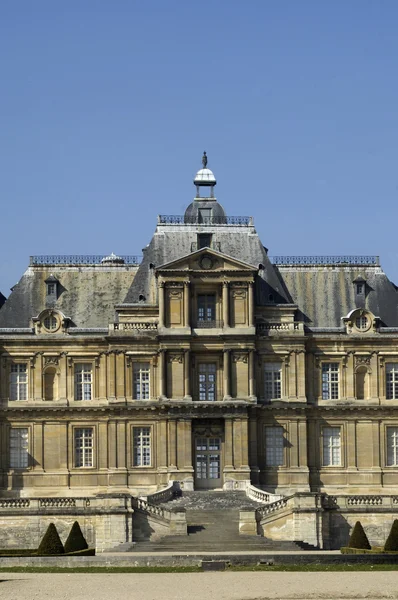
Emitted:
<point x="19" y="381"/>
<point x="331" y="446"/>
<point x="141" y="381"/>
<point x="19" y="448"/>
<point x="141" y="446"/>
<point x="392" y="446"/>
<point x="207" y="381"/>
<point x="330" y="381"/>
<point x="274" y="446"/>
<point x="392" y="381"/>
<point x="83" y="381"/>
<point x="84" y="446"/>
<point x="206" y="307"/>
<point x="272" y="381"/>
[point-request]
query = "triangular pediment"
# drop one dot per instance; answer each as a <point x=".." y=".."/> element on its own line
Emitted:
<point x="206" y="259"/>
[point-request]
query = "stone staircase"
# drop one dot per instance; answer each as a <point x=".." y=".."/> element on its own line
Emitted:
<point x="213" y="526"/>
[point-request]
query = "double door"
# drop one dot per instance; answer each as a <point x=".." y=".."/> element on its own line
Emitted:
<point x="207" y="462"/>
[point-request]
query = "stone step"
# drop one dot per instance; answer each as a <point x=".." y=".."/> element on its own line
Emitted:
<point x="242" y="545"/>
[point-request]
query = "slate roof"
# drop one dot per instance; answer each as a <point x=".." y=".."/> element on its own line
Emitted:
<point x="86" y="294"/>
<point x="325" y="294"/>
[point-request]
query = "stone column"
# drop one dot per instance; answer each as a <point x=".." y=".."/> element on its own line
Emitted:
<point x="187" y="379"/>
<point x="112" y="441"/>
<point x="251" y="304"/>
<point x="351" y="445"/>
<point x="111" y="359"/>
<point x="38" y="378"/>
<point x="253" y="448"/>
<point x="162" y="374"/>
<point x="229" y="454"/>
<point x="38" y="446"/>
<point x="227" y="392"/>
<point x="63" y="372"/>
<point x="172" y="438"/>
<point x="103" y="445"/>
<point x="252" y="378"/>
<point x="120" y="377"/>
<point x="186" y="304"/>
<point x="225" y="303"/>
<point x="161" y="303"/>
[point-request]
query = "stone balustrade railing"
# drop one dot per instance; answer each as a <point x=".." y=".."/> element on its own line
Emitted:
<point x="153" y="509"/>
<point x="272" y="507"/>
<point x="267" y="328"/>
<point x="163" y="495"/>
<point x="358" y="501"/>
<point x="259" y="495"/>
<point x="40" y="504"/>
<point x="145" y="325"/>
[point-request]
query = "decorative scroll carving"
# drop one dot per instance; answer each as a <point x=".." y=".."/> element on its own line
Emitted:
<point x="51" y="360"/>
<point x="362" y="361"/>
<point x="178" y="358"/>
<point x="176" y="294"/>
<point x="239" y="293"/>
<point x="240" y="357"/>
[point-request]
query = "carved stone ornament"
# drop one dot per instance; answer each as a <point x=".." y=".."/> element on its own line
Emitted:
<point x="206" y="262"/>
<point x="177" y="358"/>
<point x="362" y="361"/>
<point x="209" y="431"/>
<point x="51" y="360"/>
<point x="239" y="293"/>
<point x="241" y="357"/>
<point x="175" y="294"/>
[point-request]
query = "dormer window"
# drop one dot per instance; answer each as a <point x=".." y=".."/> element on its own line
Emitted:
<point x="51" y="288"/>
<point x="360" y="288"/>
<point x="204" y="215"/>
<point x="362" y="323"/>
<point x="204" y="240"/>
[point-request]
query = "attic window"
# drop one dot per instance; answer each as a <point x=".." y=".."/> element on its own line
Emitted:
<point x="204" y="240"/>
<point x="204" y="215"/>
<point x="51" y="289"/>
<point x="360" y="289"/>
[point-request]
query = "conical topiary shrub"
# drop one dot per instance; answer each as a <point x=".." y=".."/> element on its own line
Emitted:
<point x="76" y="540"/>
<point x="358" y="538"/>
<point x="51" y="543"/>
<point x="391" y="544"/>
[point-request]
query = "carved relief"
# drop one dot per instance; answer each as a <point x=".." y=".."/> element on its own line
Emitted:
<point x="362" y="361"/>
<point x="241" y="357"/>
<point x="177" y="358"/>
<point x="51" y="360"/>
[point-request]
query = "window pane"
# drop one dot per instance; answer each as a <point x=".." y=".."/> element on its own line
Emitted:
<point x="18" y="382"/>
<point x="330" y="381"/>
<point x="272" y="381"/>
<point x="19" y="448"/>
<point x="83" y="447"/>
<point x="141" y="381"/>
<point x="392" y="446"/>
<point x="331" y="446"/>
<point x="274" y="441"/>
<point x="83" y="381"/>
<point x="207" y="380"/>
<point x="141" y="446"/>
<point x="391" y="381"/>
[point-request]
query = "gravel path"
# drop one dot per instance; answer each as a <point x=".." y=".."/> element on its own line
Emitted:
<point x="199" y="586"/>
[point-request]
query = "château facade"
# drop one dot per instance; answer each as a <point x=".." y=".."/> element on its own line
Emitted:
<point x="204" y="362"/>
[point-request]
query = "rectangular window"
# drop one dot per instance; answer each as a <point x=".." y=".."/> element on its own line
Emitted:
<point x="19" y="448"/>
<point x="141" y="446"/>
<point x="392" y="381"/>
<point x="84" y="446"/>
<point x="330" y="381"/>
<point x="207" y="381"/>
<point x="83" y="381"/>
<point x="51" y="289"/>
<point x="331" y="446"/>
<point x="272" y="381"/>
<point x="19" y="381"/>
<point x="204" y="240"/>
<point x="274" y="441"/>
<point x="392" y="446"/>
<point x="206" y="307"/>
<point x="141" y="381"/>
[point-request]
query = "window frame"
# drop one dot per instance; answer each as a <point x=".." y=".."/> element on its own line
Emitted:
<point x="273" y="461"/>
<point x="330" y="382"/>
<point x="77" y="384"/>
<point x="75" y="464"/>
<point x="138" y="367"/>
<point x="141" y="427"/>
<point x="200" y="365"/>
<point x="19" y="467"/>
<point x="18" y="383"/>
<point x="271" y="367"/>
<point x="394" y="448"/>
<point x="331" y="464"/>
<point x="393" y="368"/>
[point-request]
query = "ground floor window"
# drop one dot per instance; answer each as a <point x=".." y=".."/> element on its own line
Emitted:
<point x="19" y="448"/>
<point x="392" y="446"/>
<point x="331" y="446"/>
<point x="141" y="446"/>
<point x="84" y="447"/>
<point x="274" y="442"/>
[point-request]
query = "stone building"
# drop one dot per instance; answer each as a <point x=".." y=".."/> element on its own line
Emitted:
<point x="204" y="362"/>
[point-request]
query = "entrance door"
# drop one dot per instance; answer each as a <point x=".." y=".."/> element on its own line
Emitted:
<point x="207" y="462"/>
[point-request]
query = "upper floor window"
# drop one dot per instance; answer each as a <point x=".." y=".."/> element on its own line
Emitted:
<point x="361" y="322"/>
<point x="207" y="381"/>
<point x="19" y="448"/>
<point x="206" y="308"/>
<point x="51" y="287"/>
<point x="392" y="446"/>
<point x="360" y="288"/>
<point x="274" y="437"/>
<point x="330" y="381"/>
<point x="204" y="240"/>
<point x="141" y="446"/>
<point x="84" y="447"/>
<point x="141" y="381"/>
<point x="331" y="446"/>
<point x="50" y="323"/>
<point x="83" y="381"/>
<point x="392" y="381"/>
<point x="19" y="381"/>
<point x="272" y="380"/>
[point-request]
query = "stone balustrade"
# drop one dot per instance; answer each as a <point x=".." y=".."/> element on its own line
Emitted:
<point x="259" y="495"/>
<point x="144" y="325"/>
<point x="270" y="328"/>
<point x="37" y="504"/>
<point x="358" y="501"/>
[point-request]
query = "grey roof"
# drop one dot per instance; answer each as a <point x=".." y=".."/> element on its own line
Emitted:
<point x="85" y="294"/>
<point x="2" y="299"/>
<point x="192" y="211"/>
<point x="326" y="294"/>
<point x="172" y="242"/>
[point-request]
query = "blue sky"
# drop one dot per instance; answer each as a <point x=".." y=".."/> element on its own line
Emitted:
<point x="106" y="108"/>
